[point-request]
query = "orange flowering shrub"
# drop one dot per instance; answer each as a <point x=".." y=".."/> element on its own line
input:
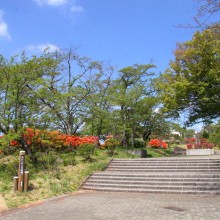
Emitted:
<point x="41" y="140"/>
<point x="157" y="143"/>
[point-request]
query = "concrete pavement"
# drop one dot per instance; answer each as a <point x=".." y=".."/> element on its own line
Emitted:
<point x="90" y="205"/>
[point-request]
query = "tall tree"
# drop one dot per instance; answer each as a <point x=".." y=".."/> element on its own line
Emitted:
<point x="66" y="90"/>
<point x="192" y="83"/>
<point x="99" y="102"/>
<point x="132" y="86"/>
<point x="19" y="77"/>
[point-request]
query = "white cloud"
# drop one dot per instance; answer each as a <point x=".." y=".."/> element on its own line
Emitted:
<point x="51" y="2"/>
<point x="70" y="4"/>
<point x="42" y="47"/>
<point x="4" y="28"/>
<point x="76" y="8"/>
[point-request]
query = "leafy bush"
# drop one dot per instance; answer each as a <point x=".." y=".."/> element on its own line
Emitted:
<point x="110" y="145"/>
<point x="68" y="158"/>
<point x="138" y="143"/>
<point x="86" y="150"/>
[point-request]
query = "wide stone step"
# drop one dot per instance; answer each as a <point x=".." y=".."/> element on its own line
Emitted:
<point x="154" y="182"/>
<point x="140" y="160"/>
<point x="154" y="169"/>
<point x="167" y="166"/>
<point x="154" y="187"/>
<point x="158" y="174"/>
<point x="147" y="186"/>
<point x="153" y="179"/>
<point x="162" y="191"/>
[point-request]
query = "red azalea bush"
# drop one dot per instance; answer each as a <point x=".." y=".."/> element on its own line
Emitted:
<point x="43" y="140"/>
<point x="189" y="146"/>
<point x="203" y="144"/>
<point x="157" y="143"/>
<point x="190" y="140"/>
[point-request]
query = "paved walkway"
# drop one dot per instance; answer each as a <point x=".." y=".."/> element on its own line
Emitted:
<point x="88" y="205"/>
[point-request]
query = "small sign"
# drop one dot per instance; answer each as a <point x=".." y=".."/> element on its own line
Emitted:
<point x="21" y="182"/>
<point x="22" y="164"/>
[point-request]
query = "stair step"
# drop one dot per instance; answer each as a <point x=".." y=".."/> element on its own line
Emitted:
<point x="214" y="192"/>
<point x="152" y="174"/>
<point x="168" y="164"/>
<point x="154" y="182"/>
<point x="165" y="166"/>
<point x="135" y="160"/>
<point x="205" y="180"/>
<point x="136" y="186"/>
<point x="162" y="170"/>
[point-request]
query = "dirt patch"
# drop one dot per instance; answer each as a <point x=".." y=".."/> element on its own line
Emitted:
<point x="3" y="205"/>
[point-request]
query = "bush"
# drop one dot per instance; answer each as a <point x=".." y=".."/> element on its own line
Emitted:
<point x="111" y="145"/>
<point x="86" y="150"/>
<point x="138" y="143"/>
<point x="68" y="158"/>
<point x="157" y="143"/>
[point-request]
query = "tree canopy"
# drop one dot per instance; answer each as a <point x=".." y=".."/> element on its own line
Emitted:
<point x="192" y="83"/>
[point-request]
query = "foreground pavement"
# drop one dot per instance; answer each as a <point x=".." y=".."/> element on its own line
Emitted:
<point x="90" y="205"/>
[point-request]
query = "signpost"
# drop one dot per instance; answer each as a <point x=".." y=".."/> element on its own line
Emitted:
<point x="21" y="182"/>
<point x="21" y="171"/>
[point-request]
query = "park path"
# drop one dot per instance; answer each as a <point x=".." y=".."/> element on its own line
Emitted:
<point x="90" y="205"/>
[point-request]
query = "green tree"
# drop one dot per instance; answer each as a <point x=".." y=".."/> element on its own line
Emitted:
<point x="128" y="92"/>
<point x="66" y="90"/>
<point x="192" y="82"/>
<point x="20" y="76"/>
<point x="99" y="104"/>
<point x="213" y="131"/>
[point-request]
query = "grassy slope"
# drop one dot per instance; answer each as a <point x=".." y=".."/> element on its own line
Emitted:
<point x="46" y="184"/>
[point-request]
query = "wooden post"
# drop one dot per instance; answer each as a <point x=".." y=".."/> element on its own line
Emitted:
<point x="15" y="185"/>
<point x="21" y="170"/>
<point x="26" y="180"/>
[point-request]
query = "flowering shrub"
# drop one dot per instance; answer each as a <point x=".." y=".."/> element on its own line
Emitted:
<point x="157" y="143"/>
<point x="203" y="144"/>
<point x="189" y="146"/>
<point x="44" y="140"/>
<point x="190" y="140"/>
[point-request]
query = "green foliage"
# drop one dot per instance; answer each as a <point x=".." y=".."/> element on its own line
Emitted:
<point x="21" y="77"/>
<point x="68" y="158"/>
<point x="214" y="134"/>
<point x="110" y="145"/>
<point x="205" y="134"/>
<point x="190" y="133"/>
<point x="139" y="143"/>
<point x="192" y="82"/>
<point x="154" y="152"/>
<point x="86" y="150"/>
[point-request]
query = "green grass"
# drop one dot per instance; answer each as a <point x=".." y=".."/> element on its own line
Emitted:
<point x="159" y="152"/>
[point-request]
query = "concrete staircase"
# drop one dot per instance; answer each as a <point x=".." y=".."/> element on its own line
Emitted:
<point x="162" y="175"/>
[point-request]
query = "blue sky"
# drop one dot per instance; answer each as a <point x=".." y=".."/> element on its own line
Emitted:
<point x="120" y="32"/>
